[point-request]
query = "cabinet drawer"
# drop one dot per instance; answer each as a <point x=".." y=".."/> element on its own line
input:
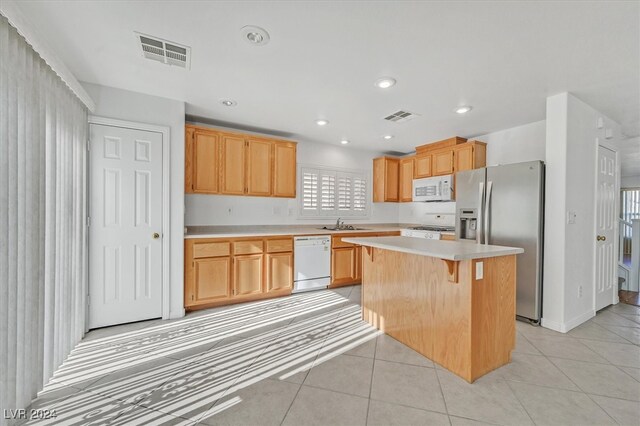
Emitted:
<point x="210" y="249"/>
<point x="247" y="247"/>
<point x="279" y="246"/>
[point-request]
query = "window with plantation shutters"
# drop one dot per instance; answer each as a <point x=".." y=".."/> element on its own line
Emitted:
<point x="328" y="193"/>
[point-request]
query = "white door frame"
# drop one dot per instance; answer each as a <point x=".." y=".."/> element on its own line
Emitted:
<point x="616" y="230"/>
<point x="166" y="198"/>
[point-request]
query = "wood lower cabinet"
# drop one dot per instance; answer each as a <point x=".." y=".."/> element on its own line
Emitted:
<point x="247" y="274"/>
<point x="406" y="180"/>
<point x="343" y="265"/>
<point x="346" y="258"/>
<point x="212" y="279"/>
<point x="279" y="271"/>
<point x="222" y="271"/>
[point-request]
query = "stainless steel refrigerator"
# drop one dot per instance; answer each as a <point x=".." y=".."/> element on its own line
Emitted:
<point x="504" y="205"/>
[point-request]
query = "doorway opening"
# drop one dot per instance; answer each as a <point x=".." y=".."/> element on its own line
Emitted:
<point x="629" y="246"/>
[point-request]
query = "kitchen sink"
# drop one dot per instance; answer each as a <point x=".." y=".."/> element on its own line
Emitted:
<point x="344" y="228"/>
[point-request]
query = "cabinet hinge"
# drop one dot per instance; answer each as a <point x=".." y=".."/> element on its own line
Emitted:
<point x="88" y="221"/>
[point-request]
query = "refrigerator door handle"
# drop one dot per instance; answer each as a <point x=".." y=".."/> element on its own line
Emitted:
<point x="479" y="223"/>
<point x="487" y="210"/>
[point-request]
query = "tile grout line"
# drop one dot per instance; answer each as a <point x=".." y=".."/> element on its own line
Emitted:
<point x="568" y="378"/>
<point x="519" y="402"/>
<point x="309" y="370"/>
<point x="240" y="375"/>
<point x="444" y="400"/>
<point x="373" y="367"/>
<point x="576" y="385"/>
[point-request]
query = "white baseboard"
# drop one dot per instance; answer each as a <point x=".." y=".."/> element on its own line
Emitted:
<point x="564" y="327"/>
<point x="176" y="314"/>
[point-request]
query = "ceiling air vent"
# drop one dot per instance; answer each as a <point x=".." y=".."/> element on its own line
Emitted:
<point x="400" y="116"/>
<point x="164" y="51"/>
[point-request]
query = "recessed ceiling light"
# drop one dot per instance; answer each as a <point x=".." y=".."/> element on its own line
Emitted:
<point x="385" y="82"/>
<point x="322" y="122"/>
<point x="255" y="35"/>
<point x="344" y="141"/>
<point x="228" y="102"/>
<point x="387" y="137"/>
<point x="463" y="109"/>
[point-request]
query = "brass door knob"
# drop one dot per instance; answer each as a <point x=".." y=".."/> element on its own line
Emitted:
<point x="601" y="238"/>
<point x="156" y="235"/>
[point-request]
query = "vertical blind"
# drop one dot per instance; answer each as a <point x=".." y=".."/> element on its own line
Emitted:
<point x="43" y="133"/>
<point x="333" y="193"/>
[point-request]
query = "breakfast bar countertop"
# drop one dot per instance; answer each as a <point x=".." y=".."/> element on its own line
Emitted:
<point x="448" y="250"/>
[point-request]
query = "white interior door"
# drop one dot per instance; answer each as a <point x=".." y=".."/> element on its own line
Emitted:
<point x="606" y="262"/>
<point x="125" y="228"/>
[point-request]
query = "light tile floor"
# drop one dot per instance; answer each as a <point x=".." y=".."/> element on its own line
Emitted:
<point x="309" y="359"/>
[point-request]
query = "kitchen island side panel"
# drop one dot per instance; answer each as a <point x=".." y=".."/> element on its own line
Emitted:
<point x="468" y="327"/>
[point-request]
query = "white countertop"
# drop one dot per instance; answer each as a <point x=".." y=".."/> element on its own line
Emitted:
<point x="236" y="231"/>
<point x="449" y="250"/>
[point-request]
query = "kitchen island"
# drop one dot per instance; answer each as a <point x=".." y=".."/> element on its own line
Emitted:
<point x="451" y="301"/>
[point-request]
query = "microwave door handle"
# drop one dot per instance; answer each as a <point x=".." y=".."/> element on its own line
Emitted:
<point x="440" y="188"/>
<point x="487" y="212"/>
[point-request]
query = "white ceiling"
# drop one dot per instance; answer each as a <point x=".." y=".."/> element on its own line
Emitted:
<point x="504" y="58"/>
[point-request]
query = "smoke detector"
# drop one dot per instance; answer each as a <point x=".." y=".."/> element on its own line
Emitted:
<point x="400" y="116"/>
<point x="164" y="51"/>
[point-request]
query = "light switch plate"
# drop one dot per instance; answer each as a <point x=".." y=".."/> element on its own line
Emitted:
<point x="479" y="270"/>
<point x="571" y="217"/>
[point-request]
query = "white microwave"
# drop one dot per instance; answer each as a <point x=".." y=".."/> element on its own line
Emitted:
<point x="438" y="188"/>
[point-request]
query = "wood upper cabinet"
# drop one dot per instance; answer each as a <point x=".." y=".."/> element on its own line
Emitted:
<point x="471" y="155"/>
<point x="232" y="149"/>
<point x="442" y="162"/>
<point x="247" y="274"/>
<point x="406" y="179"/>
<point x="284" y="169"/>
<point x="464" y="158"/>
<point x="202" y="162"/>
<point x="219" y="162"/>
<point x="259" y="167"/>
<point x="422" y="166"/>
<point x="279" y="275"/>
<point x="385" y="179"/>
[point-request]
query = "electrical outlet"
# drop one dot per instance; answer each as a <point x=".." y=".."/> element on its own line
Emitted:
<point x="479" y="270"/>
<point x="276" y="211"/>
<point x="292" y="211"/>
<point x="579" y="291"/>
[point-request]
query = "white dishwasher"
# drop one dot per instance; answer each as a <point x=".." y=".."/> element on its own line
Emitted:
<point x="312" y="263"/>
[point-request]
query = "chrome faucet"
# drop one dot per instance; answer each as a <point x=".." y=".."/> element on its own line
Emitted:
<point x="338" y="223"/>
